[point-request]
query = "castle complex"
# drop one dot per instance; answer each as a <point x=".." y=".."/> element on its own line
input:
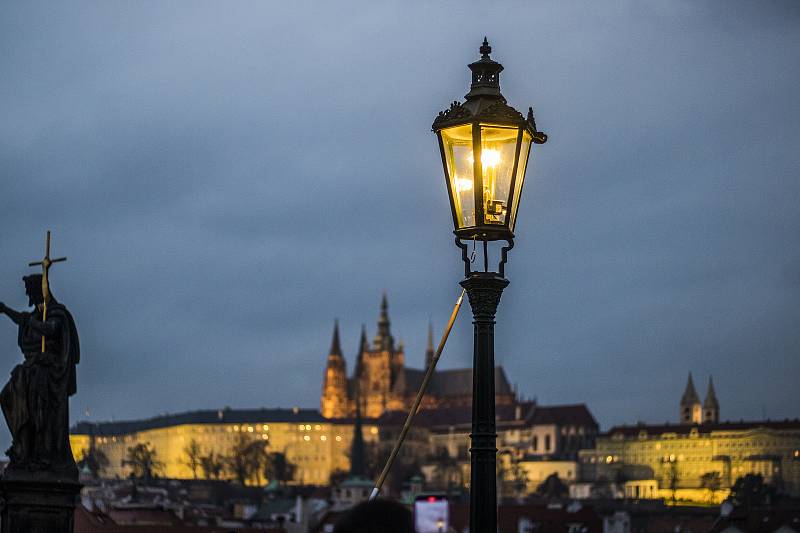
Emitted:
<point x="697" y="459"/>
<point x="386" y="384"/>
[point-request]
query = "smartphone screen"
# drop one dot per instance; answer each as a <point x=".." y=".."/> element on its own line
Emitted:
<point x="431" y="514"/>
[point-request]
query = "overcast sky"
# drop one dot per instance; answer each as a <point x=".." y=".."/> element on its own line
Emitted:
<point x="227" y="178"/>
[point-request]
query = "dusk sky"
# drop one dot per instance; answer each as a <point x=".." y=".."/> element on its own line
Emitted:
<point x="227" y="178"/>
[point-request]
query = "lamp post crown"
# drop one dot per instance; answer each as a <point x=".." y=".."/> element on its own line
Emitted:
<point x="485" y="75"/>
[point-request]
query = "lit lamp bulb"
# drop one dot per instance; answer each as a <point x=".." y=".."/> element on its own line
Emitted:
<point x="489" y="158"/>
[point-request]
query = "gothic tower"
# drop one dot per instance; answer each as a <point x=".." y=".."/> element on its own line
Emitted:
<point x="429" y="352"/>
<point x="333" y="403"/>
<point x="711" y="405"/>
<point x="383" y="365"/>
<point x="691" y="410"/>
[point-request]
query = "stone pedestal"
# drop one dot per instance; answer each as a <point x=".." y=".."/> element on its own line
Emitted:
<point x="38" y="506"/>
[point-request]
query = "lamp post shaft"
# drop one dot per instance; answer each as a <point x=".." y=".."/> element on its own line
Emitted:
<point x="484" y="290"/>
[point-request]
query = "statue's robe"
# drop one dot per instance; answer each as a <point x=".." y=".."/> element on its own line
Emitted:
<point x="35" y="401"/>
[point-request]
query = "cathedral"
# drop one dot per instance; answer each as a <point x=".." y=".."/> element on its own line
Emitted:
<point x="382" y="382"/>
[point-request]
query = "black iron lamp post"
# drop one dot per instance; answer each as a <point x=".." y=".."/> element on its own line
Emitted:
<point x="485" y="146"/>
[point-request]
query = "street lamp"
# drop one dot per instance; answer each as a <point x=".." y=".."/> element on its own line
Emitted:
<point x="485" y="146"/>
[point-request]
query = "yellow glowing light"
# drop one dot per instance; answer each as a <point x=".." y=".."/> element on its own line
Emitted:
<point x="317" y="427"/>
<point x="301" y="427"/>
<point x="265" y="436"/>
<point x="306" y="438"/>
<point x="249" y="429"/>
<point x="323" y="438"/>
<point x="236" y="428"/>
<point x="338" y="438"/>
<point x="463" y="184"/>
<point x="374" y="431"/>
<point x="489" y="158"/>
<point x="308" y="427"/>
<point x="266" y="427"/>
<point x="609" y="459"/>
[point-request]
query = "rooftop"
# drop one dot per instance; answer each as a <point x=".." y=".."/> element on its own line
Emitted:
<point x="685" y="429"/>
<point x="221" y="416"/>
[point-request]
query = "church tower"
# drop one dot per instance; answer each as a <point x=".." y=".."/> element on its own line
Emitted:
<point x="429" y="352"/>
<point x="333" y="403"/>
<point x="711" y="405"/>
<point x="691" y="410"/>
<point x="383" y="365"/>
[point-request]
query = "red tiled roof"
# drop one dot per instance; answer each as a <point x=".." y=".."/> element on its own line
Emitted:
<point x="95" y="522"/>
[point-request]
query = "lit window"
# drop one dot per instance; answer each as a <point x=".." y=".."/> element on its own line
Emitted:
<point x="264" y="436"/>
<point x="374" y="431"/>
<point x="300" y="427"/>
<point x="317" y="427"/>
<point x="306" y="438"/>
<point x="266" y="427"/>
<point x="236" y="428"/>
<point x="308" y="427"/>
<point x="249" y="429"/>
<point x="338" y="438"/>
<point x="323" y="438"/>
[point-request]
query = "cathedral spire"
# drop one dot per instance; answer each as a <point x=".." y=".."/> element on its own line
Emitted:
<point x="336" y="348"/>
<point x="333" y="402"/>
<point x="383" y="338"/>
<point x="690" y="394"/>
<point x="429" y="353"/>
<point x="711" y="404"/>
<point x="690" y="409"/>
<point x="362" y="347"/>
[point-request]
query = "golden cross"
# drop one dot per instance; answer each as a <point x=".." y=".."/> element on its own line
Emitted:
<point x="46" y="262"/>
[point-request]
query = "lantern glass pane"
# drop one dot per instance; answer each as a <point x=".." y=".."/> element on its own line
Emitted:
<point x="524" y="150"/>
<point x="498" y="147"/>
<point x="457" y="143"/>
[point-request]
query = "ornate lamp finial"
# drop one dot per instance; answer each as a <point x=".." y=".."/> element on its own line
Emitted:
<point x="485" y="49"/>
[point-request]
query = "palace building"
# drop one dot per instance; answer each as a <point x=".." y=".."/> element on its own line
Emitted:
<point x="316" y="446"/>
<point x="386" y="384"/>
<point x="699" y="458"/>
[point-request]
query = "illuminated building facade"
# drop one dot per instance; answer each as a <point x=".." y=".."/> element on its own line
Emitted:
<point x="315" y="445"/>
<point x="386" y="384"/>
<point x="676" y="457"/>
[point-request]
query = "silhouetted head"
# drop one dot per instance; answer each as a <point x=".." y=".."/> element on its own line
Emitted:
<point x="33" y="288"/>
<point x="378" y="516"/>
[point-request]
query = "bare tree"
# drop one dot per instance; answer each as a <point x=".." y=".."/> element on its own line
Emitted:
<point x="143" y="462"/>
<point x="94" y="459"/>
<point x="281" y="470"/>
<point x="247" y="459"/>
<point x="192" y="453"/>
<point x="673" y="478"/>
<point x="711" y="481"/>
<point x="212" y="465"/>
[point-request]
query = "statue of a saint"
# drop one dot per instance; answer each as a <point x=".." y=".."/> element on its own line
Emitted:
<point x="35" y="401"/>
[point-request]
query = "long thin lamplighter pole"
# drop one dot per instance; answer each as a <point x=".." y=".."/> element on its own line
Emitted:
<point x="428" y="373"/>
